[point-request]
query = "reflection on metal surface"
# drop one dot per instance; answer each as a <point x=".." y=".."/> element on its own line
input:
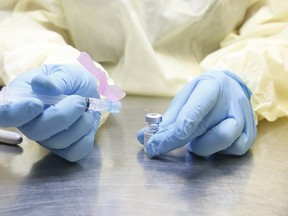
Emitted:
<point x="117" y="178"/>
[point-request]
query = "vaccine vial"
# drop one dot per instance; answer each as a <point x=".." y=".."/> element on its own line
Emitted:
<point x="153" y="120"/>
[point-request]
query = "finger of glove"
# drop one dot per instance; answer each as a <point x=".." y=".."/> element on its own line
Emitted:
<point x="217" y="138"/>
<point x="164" y="141"/>
<point x="140" y="136"/>
<point x="248" y="136"/>
<point x="19" y="113"/>
<point x="55" y="119"/>
<point x="75" y="132"/>
<point x="178" y="134"/>
<point x="54" y="81"/>
<point x="24" y="80"/>
<point x="200" y="103"/>
<point x="77" y="150"/>
<point x="68" y="79"/>
<point x="177" y="103"/>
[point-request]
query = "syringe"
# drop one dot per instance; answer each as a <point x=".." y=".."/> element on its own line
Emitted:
<point x="11" y="94"/>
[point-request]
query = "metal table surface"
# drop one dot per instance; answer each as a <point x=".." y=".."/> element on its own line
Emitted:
<point x="118" y="179"/>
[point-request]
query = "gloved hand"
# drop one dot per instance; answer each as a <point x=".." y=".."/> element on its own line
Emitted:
<point x="19" y="113"/>
<point x="64" y="128"/>
<point x="212" y="114"/>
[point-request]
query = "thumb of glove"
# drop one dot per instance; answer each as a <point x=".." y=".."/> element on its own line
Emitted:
<point x="64" y="79"/>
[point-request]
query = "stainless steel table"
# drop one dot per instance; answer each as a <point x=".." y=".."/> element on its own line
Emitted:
<point x="118" y="179"/>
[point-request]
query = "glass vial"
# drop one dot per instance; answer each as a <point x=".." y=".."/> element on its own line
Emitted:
<point x="153" y="120"/>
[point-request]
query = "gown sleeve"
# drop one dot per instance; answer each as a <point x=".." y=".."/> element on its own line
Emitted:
<point x="32" y="34"/>
<point x="258" y="53"/>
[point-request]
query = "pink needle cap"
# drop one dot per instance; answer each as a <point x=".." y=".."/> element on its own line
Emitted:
<point x="112" y="92"/>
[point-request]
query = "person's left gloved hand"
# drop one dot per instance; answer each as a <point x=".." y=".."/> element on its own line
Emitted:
<point x="212" y="114"/>
<point x="65" y="128"/>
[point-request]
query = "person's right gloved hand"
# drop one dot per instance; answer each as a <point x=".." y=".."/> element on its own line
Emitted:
<point x="212" y="114"/>
<point x="65" y="128"/>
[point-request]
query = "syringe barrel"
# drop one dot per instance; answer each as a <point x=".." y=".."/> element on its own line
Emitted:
<point x="8" y="95"/>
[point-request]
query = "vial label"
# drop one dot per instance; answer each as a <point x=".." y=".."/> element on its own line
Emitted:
<point x="147" y="136"/>
<point x="148" y="132"/>
<point x="153" y="120"/>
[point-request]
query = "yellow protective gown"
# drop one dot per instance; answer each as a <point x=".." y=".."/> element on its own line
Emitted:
<point x="154" y="47"/>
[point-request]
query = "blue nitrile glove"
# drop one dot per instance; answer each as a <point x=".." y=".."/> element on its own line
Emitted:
<point x="212" y="114"/>
<point x="19" y="113"/>
<point x="65" y="128"/>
